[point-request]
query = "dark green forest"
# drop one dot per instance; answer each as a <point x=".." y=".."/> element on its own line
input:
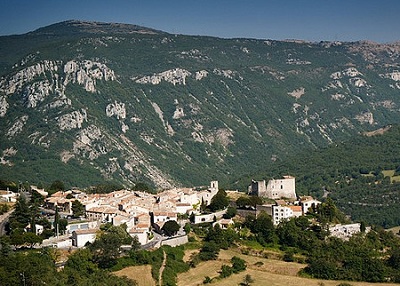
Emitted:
<point x="352" y="173"/>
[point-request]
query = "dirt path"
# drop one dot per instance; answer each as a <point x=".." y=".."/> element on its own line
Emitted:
<point x="162" y="269"/>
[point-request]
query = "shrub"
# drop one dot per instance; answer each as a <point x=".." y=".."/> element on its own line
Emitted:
<point x="207" y="280"/>
<point x="226" y="271"/>
<point x="238" y="264"/>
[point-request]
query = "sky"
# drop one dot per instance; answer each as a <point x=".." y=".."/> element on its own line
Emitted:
<point x="310" y="20"/>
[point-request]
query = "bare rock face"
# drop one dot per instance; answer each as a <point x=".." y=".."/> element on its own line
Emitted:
<point x="86" y="73"/>
<point x="16" y="82"/>
<point x="174" y="76"/>
<point x="199" y="75"/>
<point x="89" y="143"/>
<point x="394" y="76"/>
<point x="168" y="128"/>
<point x="44" y="79"/>
<point x="3" y="106"/>
<point x="225" y="73"/>
<point x="179" y="113"/>
<point x="17" y="126"/>
<point x="366" y="117"/>
<point x="297" y="93"/>
<point x="116" y="109"/>
<point x="37" y="92"/>
<point x="7" y="153"/>
<point x="72" y="120"/>
<point x="25" y="82"/>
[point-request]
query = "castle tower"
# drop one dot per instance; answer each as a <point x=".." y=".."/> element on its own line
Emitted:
<point x="281" y="188"/>
<point x="257" y="188"/>
<point x="213" y="188"/>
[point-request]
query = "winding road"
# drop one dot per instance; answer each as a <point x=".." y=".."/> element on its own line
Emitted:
<point x="3" y="220"/>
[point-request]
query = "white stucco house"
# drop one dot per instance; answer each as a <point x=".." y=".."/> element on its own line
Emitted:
<point x="82" y="236"/>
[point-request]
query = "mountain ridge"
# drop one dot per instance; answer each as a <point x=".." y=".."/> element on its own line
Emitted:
<point x="174" y="109"/>
<point x="71" y="27"/>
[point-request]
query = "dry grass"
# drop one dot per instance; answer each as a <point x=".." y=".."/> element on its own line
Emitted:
<point x="195" y="276"/>
<point x="271" y="279"/>
<point x="234" y="195"/>
<point x="189" y="254"/>
<point x="142" y="274"/>
<point x="264" y="272"/>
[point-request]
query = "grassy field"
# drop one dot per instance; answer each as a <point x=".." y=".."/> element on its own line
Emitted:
<point x="263" y="271"/>
<point x="142" y="274"/>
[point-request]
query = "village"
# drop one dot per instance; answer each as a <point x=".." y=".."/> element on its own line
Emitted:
<point x="144" y="214"/>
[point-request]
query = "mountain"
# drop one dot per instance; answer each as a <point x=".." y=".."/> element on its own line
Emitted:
<point x="88" y="102"/>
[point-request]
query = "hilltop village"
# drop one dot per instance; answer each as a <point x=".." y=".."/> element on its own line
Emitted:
<point x="143" y="212"/>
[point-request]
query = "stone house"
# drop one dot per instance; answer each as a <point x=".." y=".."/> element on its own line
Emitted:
<point x="82" y="236"/>
<point x="307" y="203"/>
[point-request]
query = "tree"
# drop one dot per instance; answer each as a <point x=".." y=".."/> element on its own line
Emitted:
<point x="255" y="200"/>
<point x="394" y="259"/>
<point x="78" y="209"/>
<point x="247" y="280"/>
<point x="57" y="186"/>
<point x="5" y="246"/>
<point x="238" y="264"/>
<point x="56" y="223"/>
<point x="219" y="201"/>
<point x="141" y="187"/>
<point x="187" y="228"/>
<point x="170" y="228"/>
<point x="36" y="197"/>
<point x="328" y="212"/>
<point x="28" y="268"/>
<point x="31" y="239"/>
<point x="203" y="205"/>
<point x="107" y="246"/>
<point x="230" y="212"/>
<point x="264" y="227"/>
<point x="21" y="213"/>
<point x="16" y="237"/>
<point x="81" y="260"/>
<point x="209" y="251"/>
<point x="362" y="226"/>
<point x="135" y="244"/>
<point x="226" y="271"/>
<point x="243" y="202"/>
<point x="192" y="217"/>
<point x="62" y="225"/>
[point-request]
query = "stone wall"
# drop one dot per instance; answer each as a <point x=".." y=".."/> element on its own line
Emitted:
<point x="175" y="241"/>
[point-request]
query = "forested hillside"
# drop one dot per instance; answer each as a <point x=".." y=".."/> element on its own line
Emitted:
<point x="88" y="102"/>
<point x="361" y="175"/>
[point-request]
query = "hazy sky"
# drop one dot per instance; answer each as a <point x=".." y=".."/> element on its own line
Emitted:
<point x="312" y="20"/>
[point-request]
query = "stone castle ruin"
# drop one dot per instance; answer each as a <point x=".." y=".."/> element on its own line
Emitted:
<point x="275" y="189"/>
